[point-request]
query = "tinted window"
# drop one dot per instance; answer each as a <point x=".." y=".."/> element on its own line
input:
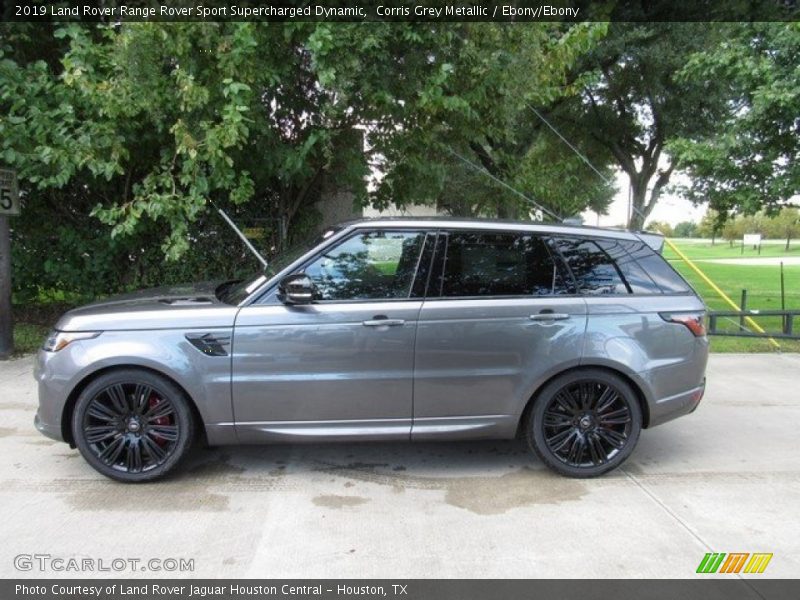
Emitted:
<point x="593" y="269"/>
<point x="367" y="266"/>
<point x="499" y="264"/>
<point x="623" y="252"/>
<point x="659" y="270"/>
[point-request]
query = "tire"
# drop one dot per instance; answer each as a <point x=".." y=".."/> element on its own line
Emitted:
<point x="584" y="423"/>
<point x="132" y="425"/>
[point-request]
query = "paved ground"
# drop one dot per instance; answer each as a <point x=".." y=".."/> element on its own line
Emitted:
<point x="726" y="478"/>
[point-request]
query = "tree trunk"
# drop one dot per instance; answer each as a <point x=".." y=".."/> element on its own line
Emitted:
<point x="6" y="321"/>
<point x="638" y="197"/>
<point x="788" y="239"/>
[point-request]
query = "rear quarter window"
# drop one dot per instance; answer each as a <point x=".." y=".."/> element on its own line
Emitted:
<point x="593" y="269"/>
<point x="623" y="253"/>
<point x="659" y="270"/>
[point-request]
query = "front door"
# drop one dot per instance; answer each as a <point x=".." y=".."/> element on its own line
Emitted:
<point x="343" y="365"/>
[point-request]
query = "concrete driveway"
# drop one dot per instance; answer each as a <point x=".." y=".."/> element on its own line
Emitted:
<point x="725" y="479"/>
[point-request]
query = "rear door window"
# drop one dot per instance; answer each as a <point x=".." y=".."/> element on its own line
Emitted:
<point x="499" y="264"/>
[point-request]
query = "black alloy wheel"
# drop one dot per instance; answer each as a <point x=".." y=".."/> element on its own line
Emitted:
<point x="584" y="423"/>
<point x="132" y="425"/>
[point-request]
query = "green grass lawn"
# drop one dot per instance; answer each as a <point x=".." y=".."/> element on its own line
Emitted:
<point x="762" y="283"/>
<point x="703" y="250"/>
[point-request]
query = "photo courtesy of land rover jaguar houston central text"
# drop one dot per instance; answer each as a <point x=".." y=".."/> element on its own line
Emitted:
<point x="574" y="338"/>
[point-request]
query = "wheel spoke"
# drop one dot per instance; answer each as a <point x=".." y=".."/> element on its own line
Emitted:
<point x="586" y="395"/>
<point x="576" y="450"/>
<point x="621" y="416"/>
<point x="141" y="394"/>
<point x="162" y="409"/>
<point x="111" y="453"/>
<point x="116" y="393"/>
<point x="596" y="450"/>
<point x="566" y="400"/>
<point x="557" y="419"/>
<point x="133" y="460"/>
<point x="560" y="440"/>
<point x="156" y="453"/>
<point x="99" y="433"/>
<point x="166" y="432"/>
<point x="101" y="412"/>
<point x="617" y="440"/>
<point x="606" y="399"/>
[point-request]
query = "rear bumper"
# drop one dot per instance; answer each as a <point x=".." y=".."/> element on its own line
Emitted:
<point x="672" y="407"/>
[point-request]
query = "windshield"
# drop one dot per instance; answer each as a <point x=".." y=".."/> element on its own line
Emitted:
<point x="236" y="290"/>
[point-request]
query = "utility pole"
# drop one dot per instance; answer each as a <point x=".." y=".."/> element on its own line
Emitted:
<point x="9" y="205"/>
<point x="6" y="320"/>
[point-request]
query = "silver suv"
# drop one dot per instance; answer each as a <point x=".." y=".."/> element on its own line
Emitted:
<point x="573" y="338"/>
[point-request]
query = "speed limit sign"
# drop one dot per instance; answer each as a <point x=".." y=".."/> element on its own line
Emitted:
<point x="9" y="193"/>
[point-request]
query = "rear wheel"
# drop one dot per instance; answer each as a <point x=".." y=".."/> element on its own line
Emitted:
<point x="584" y="423"/>
<point x="132" y="425"/>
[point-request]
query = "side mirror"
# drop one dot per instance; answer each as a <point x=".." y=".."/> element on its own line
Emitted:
<point x="296" y="289"/>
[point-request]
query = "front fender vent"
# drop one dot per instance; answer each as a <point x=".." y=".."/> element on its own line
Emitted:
<point x="210" y="344"/>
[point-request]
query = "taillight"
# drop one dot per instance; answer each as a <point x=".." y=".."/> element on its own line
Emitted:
<point x="695" y="322"/>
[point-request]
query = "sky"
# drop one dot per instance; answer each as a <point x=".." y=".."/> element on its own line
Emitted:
<point x="670" y="208"/>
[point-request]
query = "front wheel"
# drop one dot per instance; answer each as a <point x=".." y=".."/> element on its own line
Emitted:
<point x="584" y="423"/>
<point x="132" y="425"/>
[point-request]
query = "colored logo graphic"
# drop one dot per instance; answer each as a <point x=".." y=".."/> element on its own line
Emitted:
<point x="716" y="562"/>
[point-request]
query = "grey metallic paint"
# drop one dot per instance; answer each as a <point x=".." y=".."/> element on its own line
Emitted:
<point x="453" y="369"/>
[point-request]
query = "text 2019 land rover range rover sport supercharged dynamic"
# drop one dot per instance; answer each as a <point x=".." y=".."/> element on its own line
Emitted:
<point x="574" y="338"/>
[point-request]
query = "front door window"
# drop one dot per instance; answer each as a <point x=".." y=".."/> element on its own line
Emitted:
<point x="374" y="265"/>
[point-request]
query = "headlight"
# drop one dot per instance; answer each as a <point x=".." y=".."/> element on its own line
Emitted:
<point x="61" y="339"/>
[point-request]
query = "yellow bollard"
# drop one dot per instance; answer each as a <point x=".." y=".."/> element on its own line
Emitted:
<point x="716" y="288"/>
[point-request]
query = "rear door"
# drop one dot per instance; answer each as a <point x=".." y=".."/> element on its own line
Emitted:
<point x="500" y="317"/>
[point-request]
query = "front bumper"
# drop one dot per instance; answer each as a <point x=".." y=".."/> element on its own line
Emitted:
<point x="52" y="396"/>
<point x="47" y="429"/>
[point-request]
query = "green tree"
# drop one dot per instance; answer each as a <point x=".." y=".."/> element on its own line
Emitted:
<point x="733" y="230"/>
<point x="158" y="120"/>
<point x="633" y="104"/>
<point x="661" y="227"/>
<point x="751" y="160"/>
<point x="711" y="224"/>
<point x="786" y="225"/>
<point x="685" y="229"/>
<point x="478" y="130"/>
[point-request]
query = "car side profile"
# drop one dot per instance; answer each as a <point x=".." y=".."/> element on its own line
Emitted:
<point x="574" y="338"/>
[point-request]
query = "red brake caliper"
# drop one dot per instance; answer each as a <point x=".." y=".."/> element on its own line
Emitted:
<point x="152" y="403"/>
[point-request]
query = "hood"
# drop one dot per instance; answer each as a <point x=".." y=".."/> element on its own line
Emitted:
<point x="171" y="307"/>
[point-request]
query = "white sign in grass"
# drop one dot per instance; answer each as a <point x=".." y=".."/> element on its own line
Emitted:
<point x="752" y="239"/>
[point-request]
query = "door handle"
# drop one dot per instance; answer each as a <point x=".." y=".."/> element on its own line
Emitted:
<point x="383" y="323"/>
<point x="549" y="316"/>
